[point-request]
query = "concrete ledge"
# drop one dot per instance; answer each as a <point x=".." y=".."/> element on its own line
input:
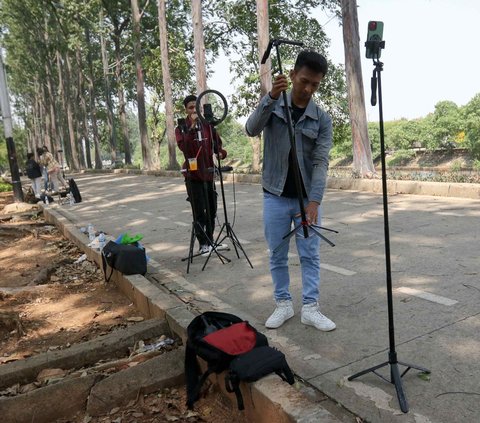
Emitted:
<point x="163" y="371"/>
<point x="407" y="187"/>
<point x="112" y="345"/>
<point x="65" y="399"/>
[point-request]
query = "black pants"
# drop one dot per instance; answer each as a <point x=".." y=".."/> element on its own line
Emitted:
<point x="203" y="199"/>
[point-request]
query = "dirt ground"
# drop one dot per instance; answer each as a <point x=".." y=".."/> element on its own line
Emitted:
<point x="50" y="299"/>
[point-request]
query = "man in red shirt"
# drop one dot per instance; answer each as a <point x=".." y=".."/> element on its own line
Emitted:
<point x="198" y="142"/>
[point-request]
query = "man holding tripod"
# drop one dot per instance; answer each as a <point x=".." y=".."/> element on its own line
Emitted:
<point x="199" y="141"/>
<point x="312" y="129"/>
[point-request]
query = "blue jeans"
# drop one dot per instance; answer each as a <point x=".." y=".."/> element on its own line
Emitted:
<point x="278" y="215"/>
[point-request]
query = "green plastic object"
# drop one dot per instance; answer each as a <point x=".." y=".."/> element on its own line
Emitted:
<point x="127" y="239"/>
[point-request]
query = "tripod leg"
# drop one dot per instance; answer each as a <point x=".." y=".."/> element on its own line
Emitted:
<point x="413" y="366"/>
<point x="397" y="381"/>
<point x="236" y="243"/>
<point x="369" y="370"/>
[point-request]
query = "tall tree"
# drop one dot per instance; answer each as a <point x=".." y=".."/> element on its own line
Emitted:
<point x="199" y="46"/>
<point x="265" y="71"/>
<point x="110" y="115"/>
<point x="142" y="114"/>
<point x="362" y="153"/>
<point x="167" y="86"/>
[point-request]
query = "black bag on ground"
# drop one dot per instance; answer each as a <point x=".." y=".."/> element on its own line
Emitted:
<point x="127" y="259"/>
<point x="219" y="339"/>
<point x="254" y="365"/>
<point x="74" y="190"/>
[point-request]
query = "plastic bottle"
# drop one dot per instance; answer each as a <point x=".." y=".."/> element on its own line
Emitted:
<point x="91" y="232"/>
<point x="101" y="241"/>
<point x="47" y="201"/>
<point x="71" y="200"/>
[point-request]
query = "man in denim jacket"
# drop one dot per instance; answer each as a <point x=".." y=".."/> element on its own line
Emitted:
<point x="313" y="139"/>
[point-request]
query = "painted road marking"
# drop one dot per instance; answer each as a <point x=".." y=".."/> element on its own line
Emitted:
<point x="426" y="296"/>
<point x="182" y="224"/>
<point x="162" y="217"/>
<point x="336" y="269"/>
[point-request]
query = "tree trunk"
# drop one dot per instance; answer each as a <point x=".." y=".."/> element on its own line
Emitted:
<point x="83" y="109"/>
<point x="53" y="109"/>
<point x="199" y="46"/>
<point x="70" y="112"/>
<point x="61" y="115"/>
<point x="264" y="71"/>
<point x="362" y="154"/>
<point x="167" y="87"/>
<point x="110" y="118"/>
<point x="142" y="114"/>
<point x="121" y="98"/>
<point x="93" y="106"/>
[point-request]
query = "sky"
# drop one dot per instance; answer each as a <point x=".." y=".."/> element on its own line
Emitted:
<point x="432" y="53"/>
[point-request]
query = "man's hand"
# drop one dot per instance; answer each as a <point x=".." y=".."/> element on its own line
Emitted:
<point x="311" y="212"/>
<point x="193" y="118"/>
<point x="280" y="83"/>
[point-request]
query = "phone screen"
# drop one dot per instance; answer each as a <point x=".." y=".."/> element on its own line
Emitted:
<point x="374" y="36"/>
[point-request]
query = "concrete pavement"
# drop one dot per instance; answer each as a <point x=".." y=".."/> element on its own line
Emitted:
<point x="435" y="271"/>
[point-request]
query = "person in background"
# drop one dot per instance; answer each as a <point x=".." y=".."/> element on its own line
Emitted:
<point x="34" y="173"/>
<point x="313" y="139"/>
<point x="199" y="141"/>
<point x="53" y="168"/>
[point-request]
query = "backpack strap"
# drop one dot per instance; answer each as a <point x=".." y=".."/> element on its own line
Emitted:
<point x="104" y="265"/>
<point x="232" y="384"/>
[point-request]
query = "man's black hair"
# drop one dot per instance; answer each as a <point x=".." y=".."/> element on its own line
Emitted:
<point x="312" y="60"/>
<point x="188" y="99"/>
<point x="30" y="156"/>
<point x="40" y="151"/>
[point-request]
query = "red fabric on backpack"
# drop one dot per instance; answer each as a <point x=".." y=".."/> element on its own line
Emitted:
<point x="238" y="338"/>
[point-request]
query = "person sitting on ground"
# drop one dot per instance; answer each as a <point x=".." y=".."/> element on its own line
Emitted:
<point x="34" y="173"/>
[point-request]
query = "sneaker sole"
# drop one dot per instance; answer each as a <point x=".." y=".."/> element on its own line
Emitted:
<point x="312" y="324"/>
<point x="276" y="327"/>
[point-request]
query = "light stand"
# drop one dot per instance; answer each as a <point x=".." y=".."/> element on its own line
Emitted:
<point x="395" y="376"/>
<point x="196" y="226"/>
<point x="296" y="169"/>
<point x="208" y="117"/>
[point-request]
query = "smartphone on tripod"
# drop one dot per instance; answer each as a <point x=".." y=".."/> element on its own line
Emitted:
<point x="374" y="39"/>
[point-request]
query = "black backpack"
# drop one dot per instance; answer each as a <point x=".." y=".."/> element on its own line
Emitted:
<point x="74" y="190"/>
<point x="226" y="342"/>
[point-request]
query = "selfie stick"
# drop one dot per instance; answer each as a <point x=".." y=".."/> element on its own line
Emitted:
<point x="296" y="170"/>
<point x="395" y="376"/>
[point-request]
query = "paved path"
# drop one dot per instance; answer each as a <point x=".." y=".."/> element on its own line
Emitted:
<point x="435" y="271"/>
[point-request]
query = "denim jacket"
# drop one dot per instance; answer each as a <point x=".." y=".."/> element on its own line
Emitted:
<point x="313" y="139"/>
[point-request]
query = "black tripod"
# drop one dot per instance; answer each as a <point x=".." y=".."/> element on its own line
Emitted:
<point x="304" y="224"/>
<point x="209" y="118"/>
<point x="197" y="228"/>
<point x="395" y="376"/>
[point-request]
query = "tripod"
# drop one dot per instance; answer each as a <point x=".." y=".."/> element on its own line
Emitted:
<point x="209" y="118"/>
<point x="197" y="229"/>
<point x="304" y="224"/>
<point x="395" y="376"/>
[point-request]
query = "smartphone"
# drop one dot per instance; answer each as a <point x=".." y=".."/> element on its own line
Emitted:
<point x="374" y="38"/>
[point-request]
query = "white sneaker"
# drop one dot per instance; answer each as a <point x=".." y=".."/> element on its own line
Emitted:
<point x="220" y="247"/>
<point x="311" y="316"/>
<point x="204" y="250"/>
<point x="282" y="313"/>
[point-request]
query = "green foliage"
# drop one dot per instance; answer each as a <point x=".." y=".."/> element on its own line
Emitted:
<point x="401" y="157"/>
<point x="471" y="117"/>
<point x="4" y="187"/>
